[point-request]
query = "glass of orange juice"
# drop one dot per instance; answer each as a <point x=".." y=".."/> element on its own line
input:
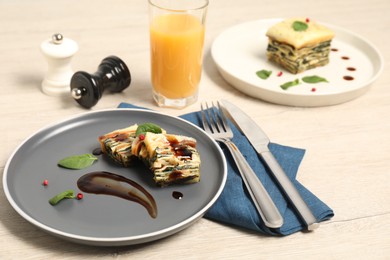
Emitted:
<point x="177" y="30"/>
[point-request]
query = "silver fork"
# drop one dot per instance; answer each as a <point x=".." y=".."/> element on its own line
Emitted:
<point x="215" y="124"/>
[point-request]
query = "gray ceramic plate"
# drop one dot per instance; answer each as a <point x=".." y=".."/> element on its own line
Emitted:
<point x="101" y="219"/>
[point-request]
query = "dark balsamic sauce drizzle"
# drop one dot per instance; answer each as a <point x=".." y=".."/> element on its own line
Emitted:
<point x="108" y="183"/>
<point x="177" y="195"/>
<point x="97" y="151"/>
<point x="348" y="78"/>
<point x="181" y="149"/>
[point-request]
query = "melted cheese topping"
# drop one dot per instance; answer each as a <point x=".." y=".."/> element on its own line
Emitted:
<point x="283" y="32"/>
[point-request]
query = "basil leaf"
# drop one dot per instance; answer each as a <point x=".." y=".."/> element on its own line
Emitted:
<point x="290" y="84"/>
<point x="68" y="194"/>
<point x="148" y="127"/>
<point x="263" y="74"/>
<point x="78" y="162"/>
<point x="313" y="79"/>
<point x="299" y="26"/>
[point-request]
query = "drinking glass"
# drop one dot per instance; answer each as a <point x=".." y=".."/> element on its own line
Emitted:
<point x="177" y="29"/>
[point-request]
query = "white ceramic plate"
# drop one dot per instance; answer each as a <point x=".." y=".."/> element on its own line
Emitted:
<point x="100" y="219"/>
<point x="240" y="51"/>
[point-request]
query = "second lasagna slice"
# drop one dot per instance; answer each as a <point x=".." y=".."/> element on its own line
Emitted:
<point x="299" y="45"/>
<point x="171" y="158"/>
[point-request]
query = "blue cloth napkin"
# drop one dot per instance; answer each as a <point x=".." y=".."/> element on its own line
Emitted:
<point x="235" y="207"/>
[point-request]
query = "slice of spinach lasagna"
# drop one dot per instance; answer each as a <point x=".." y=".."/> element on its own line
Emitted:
<point x="171" y="158"/>
<point x="117" y="145"/>
<point x="298" y="44"/>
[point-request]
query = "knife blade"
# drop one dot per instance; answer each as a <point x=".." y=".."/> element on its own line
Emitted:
<point x="260" y="141"/>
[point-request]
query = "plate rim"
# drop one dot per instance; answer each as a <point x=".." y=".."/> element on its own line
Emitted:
<point x="122" y="240"/>
<point x="264" y="93"/>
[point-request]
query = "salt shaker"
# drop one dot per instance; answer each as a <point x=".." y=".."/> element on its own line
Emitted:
<point x="58" y="52"/>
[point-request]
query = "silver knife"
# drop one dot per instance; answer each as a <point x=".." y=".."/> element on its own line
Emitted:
<point x="260" y="142"/>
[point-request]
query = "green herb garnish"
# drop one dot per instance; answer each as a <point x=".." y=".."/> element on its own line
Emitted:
<point x="148" y="127"/>
<point x="263" y="74"/>
<point x="78" y="162"/>
<point x="68" y="194"/>
<point x="313" y="79"/>
<point x="290" y="84"/>
<point x="299" y="26"/>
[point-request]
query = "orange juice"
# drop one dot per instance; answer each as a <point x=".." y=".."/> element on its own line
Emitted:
<point x="176" y="42"/>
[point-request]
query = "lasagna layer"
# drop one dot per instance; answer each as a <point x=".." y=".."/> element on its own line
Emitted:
<point x="171" y="158"/>
<point x="117" y="145"/>
<point x="298" y="60"/>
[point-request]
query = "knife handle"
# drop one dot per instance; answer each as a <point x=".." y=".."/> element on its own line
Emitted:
<point x="290" y="191"/>
<point x="268" y="211"/>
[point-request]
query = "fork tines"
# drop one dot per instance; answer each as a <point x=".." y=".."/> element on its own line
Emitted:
<point x="213" y="117"/>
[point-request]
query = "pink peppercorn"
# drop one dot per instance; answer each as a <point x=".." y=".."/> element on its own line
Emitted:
<point x="313" y="89"/>
<point x="307" y="20"/>
<point x="141" y="137"/>
<point x="45" y="183"/>
<point x="79" y="196"/>
<point x="280" y="73"/>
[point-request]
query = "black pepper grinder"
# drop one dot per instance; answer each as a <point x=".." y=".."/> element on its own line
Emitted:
<point x="112" y="75"/>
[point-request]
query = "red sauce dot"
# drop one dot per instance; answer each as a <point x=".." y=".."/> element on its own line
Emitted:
<point x="348" y="78"/>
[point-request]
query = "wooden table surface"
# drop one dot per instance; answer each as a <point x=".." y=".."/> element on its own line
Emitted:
<point x="347" y="161"/>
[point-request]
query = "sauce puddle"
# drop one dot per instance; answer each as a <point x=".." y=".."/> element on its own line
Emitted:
<point x="107" y="183"/>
